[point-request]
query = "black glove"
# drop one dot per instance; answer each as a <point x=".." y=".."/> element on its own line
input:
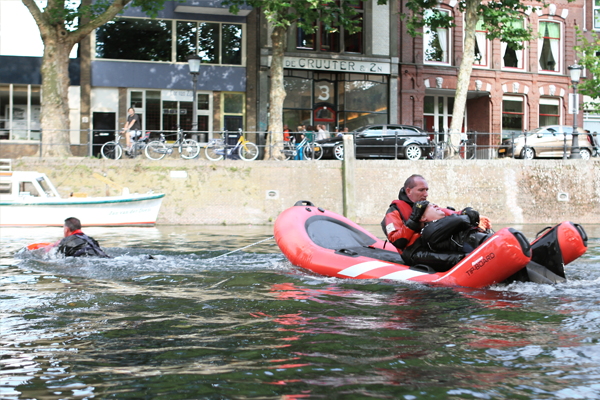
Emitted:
<point x="472" y="214"/>
<point x="414" y="221"/>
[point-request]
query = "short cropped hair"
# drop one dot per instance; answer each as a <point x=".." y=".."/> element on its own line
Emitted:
<point x="410" y="182"/>
<point x="73" y="224"/>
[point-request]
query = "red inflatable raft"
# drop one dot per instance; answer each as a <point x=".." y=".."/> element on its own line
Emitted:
<point x="330" y="244"/>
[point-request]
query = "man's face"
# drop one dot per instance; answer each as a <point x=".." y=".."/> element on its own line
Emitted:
<point x="66" y="231"/>
<point x="130" y="111"/>
<point x="432" y="213"/>
<point x="419" y="192"/>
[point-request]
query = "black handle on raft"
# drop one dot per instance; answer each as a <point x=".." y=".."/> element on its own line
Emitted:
<point x="537" y="235"/>
<point x="525" y="246"/>
<point x="582" y="233"/>
<point x="347" y="252"/>
<point x="304" y="203"/>
<point x="423" y="268"/>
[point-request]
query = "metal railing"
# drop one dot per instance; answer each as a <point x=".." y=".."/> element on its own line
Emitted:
<point x="435" y="145"/>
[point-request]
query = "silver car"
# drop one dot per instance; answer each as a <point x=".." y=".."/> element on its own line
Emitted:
<point x="546" y="142"/>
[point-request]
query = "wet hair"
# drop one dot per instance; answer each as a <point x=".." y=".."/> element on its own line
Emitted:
<point x="410" y="182"/>
<point x="73" y="224"/>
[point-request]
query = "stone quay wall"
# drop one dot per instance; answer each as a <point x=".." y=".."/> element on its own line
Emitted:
<point x="238" y="192"/>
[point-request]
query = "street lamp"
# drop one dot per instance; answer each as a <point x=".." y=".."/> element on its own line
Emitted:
<point x="194" y="64"/>
<point x="575" y="71"/>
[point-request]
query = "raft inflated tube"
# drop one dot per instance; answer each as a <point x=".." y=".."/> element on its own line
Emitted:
<point x="35" y="246"/>
<point x="329" y="244"/>
<point x="557" y="246"/>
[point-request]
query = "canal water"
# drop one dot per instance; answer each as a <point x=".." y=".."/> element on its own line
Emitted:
<point x="252" y="326"/>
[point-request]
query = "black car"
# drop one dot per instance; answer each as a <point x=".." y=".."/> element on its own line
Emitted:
<point x="383" y="141"/>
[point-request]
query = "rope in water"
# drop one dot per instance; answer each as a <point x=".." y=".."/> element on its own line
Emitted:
<point x="245" y="247"/>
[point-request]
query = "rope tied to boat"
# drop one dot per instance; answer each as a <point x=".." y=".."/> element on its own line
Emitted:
<point x="242" y="248"/>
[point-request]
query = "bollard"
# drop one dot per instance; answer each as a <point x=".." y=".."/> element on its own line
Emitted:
<point x="348" y="186"/>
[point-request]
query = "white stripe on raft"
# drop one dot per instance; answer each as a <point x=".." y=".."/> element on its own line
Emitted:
<point x="403" y="275"/>
<point x="473" y="254"/>
<point x="359" y="269"/>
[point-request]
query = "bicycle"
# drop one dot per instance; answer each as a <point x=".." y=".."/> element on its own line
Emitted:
<point x="217" y="149"/>
<point x="289" y="149"/>
<point x="158" y="149"/>
<point x="442" y="150"/>
<point x="113" y="150"/>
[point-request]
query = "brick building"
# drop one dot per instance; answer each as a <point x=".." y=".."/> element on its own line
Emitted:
<point x="510" y="90"/>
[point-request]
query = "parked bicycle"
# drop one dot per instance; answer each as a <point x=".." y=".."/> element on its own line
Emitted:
<point x="441" y="150"/>
<point x="114" y="151"/>
<point x="217" y="149"/>
<point x="286" y="150"/>
<point x="158" y="149"/>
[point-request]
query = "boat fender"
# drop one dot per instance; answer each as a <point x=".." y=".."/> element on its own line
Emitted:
<point x="304" y="203"/>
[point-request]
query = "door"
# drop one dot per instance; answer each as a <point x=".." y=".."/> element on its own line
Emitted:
<point x="369" y="143"/>
<point x="104" y="125"/>
<point x="233" y="123"/>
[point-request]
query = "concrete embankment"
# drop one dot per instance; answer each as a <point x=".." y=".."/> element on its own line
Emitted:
<point x="238" y="192"/>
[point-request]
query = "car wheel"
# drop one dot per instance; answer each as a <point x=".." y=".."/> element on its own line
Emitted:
<point x="527" y="153"/>
<point x="338" y="151"/>
<point x="585" y="154"/>
<point x="413" y="152"/>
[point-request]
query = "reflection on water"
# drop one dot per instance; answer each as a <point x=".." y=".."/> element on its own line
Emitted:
<point x="250" y="325"/>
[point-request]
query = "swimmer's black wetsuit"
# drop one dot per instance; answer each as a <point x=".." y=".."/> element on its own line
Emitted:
<point x="80" y="245"/>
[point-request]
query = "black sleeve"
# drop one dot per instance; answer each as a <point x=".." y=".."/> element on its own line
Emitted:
<point x="442" y="229"/>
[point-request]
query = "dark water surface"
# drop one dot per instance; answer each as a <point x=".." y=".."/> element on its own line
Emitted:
<point x="252" y="326"/>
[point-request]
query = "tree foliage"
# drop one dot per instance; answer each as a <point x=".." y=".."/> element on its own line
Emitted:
<point x="497" y="18"/>
<point x="62" y="24"/>
<point x="589" y="58"/>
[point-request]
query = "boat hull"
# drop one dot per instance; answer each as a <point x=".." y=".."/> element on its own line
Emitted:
<point x="138" y="210"/>
<point x="329" y="244"/>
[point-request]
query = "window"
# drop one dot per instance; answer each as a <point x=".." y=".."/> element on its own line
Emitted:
<point x="233" y="110"/>
<point x="134" y="39"/>
<point x="333" y="42"/>
<point x="437" y="113"/>
<point x="549" y="111"/>
<point x="435" y="44"/>
<point x="20" y="112"/>
<point x="481" y="45"/>
<point x="329" y="40"/>
<point x="597" y="14"/>
<point x="151" y="40"/>
<point x="549" y="46"/>
<point x="511" y="57"/>
<point x="513" y="115"/>
<point x="305" y="41"/>
<point x="353" y="42"/>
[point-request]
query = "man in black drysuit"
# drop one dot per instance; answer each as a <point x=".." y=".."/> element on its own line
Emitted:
<point x="445" y="240"/>
<point x="78" y="244"/>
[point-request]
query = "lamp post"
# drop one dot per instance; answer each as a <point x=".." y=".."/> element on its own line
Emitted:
<point x="575" y="71"/>
<point x="194" y="64"/>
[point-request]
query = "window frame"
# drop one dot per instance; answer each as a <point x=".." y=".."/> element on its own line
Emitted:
<point x="523" y="113"/>
<point x="448" y="43"/>
<point x="596" y="15"/>
<point x="560" y="47"/>
<point x="487" y="49"/>
<point x="549" y="101"/>
<point x="174" y="43"/>
<point x="523" y="67"/>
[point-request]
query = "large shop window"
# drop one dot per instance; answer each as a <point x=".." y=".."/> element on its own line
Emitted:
<point x="597" y="14"/>
<point x="436" y="43"/>
<point x="335" y="100"/>
<point x="513" y="115"/>
<point x="549" y="46"/>
<point x="20" y="112"/>
<point x="151" y="40"/>
<point x="481" y="45"/>
<point x="511" y="57"/>
<point x="549" y="111"/>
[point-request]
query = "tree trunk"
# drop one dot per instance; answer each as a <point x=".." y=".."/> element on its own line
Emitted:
<point x="464" y="73"/>
<point x="277" y="95"/>
<point x="56" y="137"/>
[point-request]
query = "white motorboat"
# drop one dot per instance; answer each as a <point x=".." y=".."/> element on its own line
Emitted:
<point x="30" y="199"/>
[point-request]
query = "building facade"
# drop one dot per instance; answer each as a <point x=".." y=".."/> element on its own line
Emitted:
<point x="510" y="91"/>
